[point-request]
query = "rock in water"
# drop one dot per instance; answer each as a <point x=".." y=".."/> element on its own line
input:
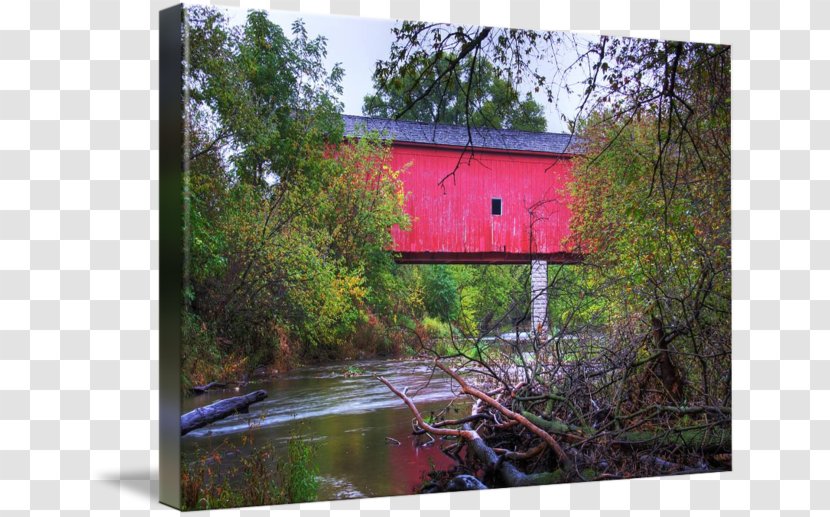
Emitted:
<point x="465" y="482"/>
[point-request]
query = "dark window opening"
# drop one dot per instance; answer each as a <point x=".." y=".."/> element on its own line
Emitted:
<point x="495" y="206"/>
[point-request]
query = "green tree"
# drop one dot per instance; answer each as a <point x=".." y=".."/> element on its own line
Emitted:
<point x="475" y="91"/>
<point x="652" y="205"/>
<point x="492" y="298"/>
<point x="441" y="299"/>
<point x="665" y="266"/>
<point x="288" y="223"/>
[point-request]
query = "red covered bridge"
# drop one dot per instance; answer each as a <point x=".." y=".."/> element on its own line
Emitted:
<point x="501" y="200"/>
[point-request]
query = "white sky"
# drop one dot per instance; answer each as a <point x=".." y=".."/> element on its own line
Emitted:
<point x="358" y="43"/>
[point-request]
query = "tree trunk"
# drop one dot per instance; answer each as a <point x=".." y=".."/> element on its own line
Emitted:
<point x="220" y="409"/>
<point x="669" y="375"/>
<point x="507" y="472"/>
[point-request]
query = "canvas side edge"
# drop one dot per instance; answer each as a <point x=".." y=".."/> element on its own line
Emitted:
<point x="171" y="250"/>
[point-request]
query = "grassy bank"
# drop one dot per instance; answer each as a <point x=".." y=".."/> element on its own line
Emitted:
<point x="260" y="477"/>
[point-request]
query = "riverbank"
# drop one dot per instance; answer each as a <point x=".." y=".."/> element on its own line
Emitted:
<point x="347" y="419"/>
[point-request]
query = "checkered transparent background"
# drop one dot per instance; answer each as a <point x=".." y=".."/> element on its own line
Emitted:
<point x="79" y="255"/>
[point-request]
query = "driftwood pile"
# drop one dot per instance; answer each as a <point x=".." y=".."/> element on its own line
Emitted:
<point x="510" y="444"/>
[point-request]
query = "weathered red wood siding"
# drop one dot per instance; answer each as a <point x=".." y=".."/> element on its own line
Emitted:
<point x="454" y="223"/>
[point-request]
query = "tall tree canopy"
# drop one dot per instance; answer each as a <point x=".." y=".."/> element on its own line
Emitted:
<point x="652" y="206"/>
<point x="474" y="92"/>
<point x="288" y="224"/>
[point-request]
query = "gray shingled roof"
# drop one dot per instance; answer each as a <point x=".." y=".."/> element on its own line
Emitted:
<point x="443" y="134"/>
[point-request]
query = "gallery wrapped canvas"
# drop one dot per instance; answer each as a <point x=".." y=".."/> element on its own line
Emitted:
<point x="404" y="257"/>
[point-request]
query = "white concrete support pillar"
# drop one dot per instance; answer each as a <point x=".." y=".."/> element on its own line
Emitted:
<point x="539" y="297"/>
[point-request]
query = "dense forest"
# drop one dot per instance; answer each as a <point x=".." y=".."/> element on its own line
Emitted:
<point x="290" y="259"/>
<point x="288" y="224"/>
<point x="289" y="252"/>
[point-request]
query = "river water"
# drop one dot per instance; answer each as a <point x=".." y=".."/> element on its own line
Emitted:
<point x="348" y="419"/>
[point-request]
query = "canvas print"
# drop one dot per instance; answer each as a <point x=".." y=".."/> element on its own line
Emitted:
<point x="426" y="257"/>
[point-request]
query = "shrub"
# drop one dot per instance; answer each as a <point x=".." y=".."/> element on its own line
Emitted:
<point x="436" y="328"/>
<point x="260" y="478"/>
<point x="298" y="471"/>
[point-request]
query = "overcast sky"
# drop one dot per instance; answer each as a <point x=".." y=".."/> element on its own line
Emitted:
<point x="358" y="43"/>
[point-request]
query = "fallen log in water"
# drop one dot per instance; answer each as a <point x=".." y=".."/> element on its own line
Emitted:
<point x="220" y="409"/>
<point x="490" y="401"/>
<point x="208" y="386"/>
<point x="509" y="474"/>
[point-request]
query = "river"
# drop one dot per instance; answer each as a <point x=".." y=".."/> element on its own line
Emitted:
<point x="348" y="418"/>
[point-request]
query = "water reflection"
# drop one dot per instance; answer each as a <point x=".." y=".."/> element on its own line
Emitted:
<point x="349" y="420"/>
